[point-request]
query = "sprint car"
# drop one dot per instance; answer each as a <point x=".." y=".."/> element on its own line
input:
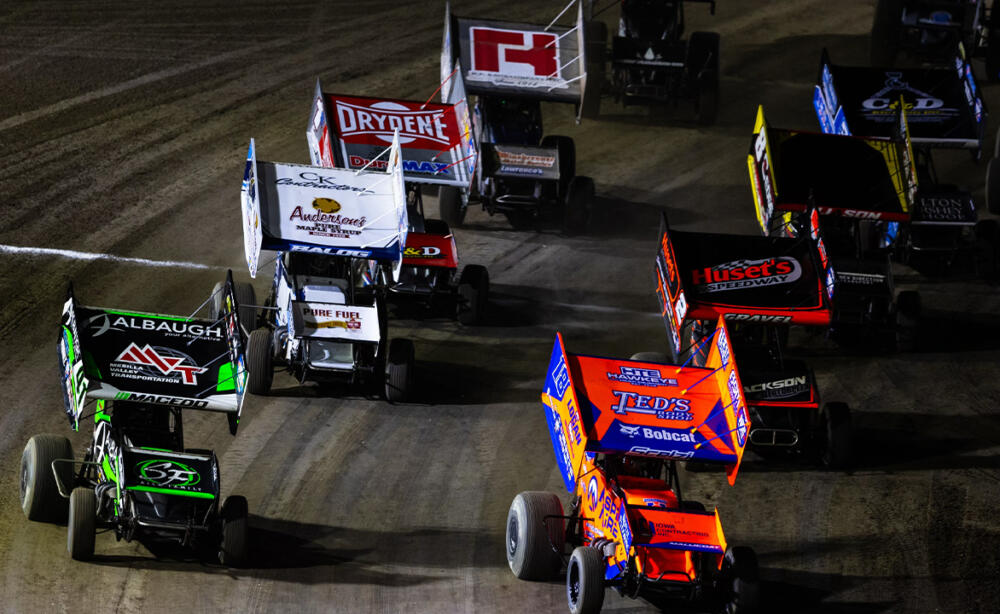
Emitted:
<point x="935" y="30"/>
<point x="851" y="182"/>
<point x="618" y="427"/>
<point x="340" y="236"/>
<point x="437" y="148"/>
<point x="761" y="286"/>
<point x="511" y="68"/>
<point x="944" y="109"/>
<point x="136" y="478"/>
<point x="651" y="62"/>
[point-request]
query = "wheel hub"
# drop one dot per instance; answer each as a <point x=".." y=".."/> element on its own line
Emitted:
<point x="512" y="536"/>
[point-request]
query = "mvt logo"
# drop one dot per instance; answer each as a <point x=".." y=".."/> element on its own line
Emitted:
<point x="158" y="362"/>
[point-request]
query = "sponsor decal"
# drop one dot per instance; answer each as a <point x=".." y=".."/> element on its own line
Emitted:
<point x="942" y="208"/>
<point x="742" y="274"/>
<point x="628" y="431"/>
<point x="888" y="96"/>
<point x="103" y="322"/>
<point x="515" y="58"/>
<point x="409" y="166"/>
<point x="325" y="205"/>
<point x="167" y="473"/>
<point x="348" y="320"/>
<point x="593" y="492"/>
<point x="664" y="408"/>
<point x="861" y="279"/>
<point x="741" y="425"/>
<point x="660" y="503"/>
<point x="563" y="444"/>
<point x="560" y="377"/>
<point x="779" y="389"/>
<point x="623" y="527"/>
<point x="525" y="159"/>
<point x="427" y="251"/>
<point x="756" y="317"/>
<point x="722" y="343"/>
<point x="333" y="251"/>
<point x="668" y="435"/>
<point x="763" y="175"/>
<point x="668" y="529"/>
<point x="161" y="400"/>
<point x="312" y="179"/>
<point x="156" y="364"/>
<point x="380" y="120"/>
<point x="641" y="377"/>
<point x="678" y="454"/>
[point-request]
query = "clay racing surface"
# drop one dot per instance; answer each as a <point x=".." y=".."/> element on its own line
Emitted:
<point x="122" y="131"/>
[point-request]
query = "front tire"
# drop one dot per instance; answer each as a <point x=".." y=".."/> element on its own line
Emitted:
<point x="740" y="581"/>
<point x="534" y="542"/>
<point x="585" y="580"/>
<point x="82" y="529"/>
<point x="259" y="362"/>
<point x="450" y="204"/>
<point x="577" y="206"/>
<point x="837" y="426"/>
<point x="235" y="531"/>
<point x="399" y="370"/>
<point x="40" y="498"/>
<point x="473" y="294"/>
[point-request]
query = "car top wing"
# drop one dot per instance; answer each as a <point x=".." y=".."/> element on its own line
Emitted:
<point x="779" y="280"/>
<point x="623" y="406"/>
<point x="861" y="177"/>
<point x="506" y="58"/>
<point x="119" y="355"/>
<point x="436" y="139"/>
<point x="944" y="107"/>
<point x="328" y="210"/>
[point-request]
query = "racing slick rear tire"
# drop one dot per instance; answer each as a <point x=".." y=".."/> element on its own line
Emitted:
<point x="908" y="310"/>
<point x="399" y="370"/>
<point x="993" y="186"/>
<point x="837" y="431"/>
<point x="654" y="357"/>
<point x="987" y="248"/>
<point x="535" y="543"/>
<point x="740" y="577"/>
<point x="576" y="207"/>
<point x="595" y="35"/>
<point x="235" y="531"/>
<point x="473" y="294"/>
<point x="82" y="529"/>
<point x="567" y="156"/>
<point x="585" y="580"/>
<point x="692" y="506"/>
<point x="40" y="498"/>
<point x="259" y="362"/>
<point x="245" y="298"/>
<point x="885" y="32"/>
<point x="450" y="205"/>
<point x="437" y="227"/>
<point x="703" y="72"/>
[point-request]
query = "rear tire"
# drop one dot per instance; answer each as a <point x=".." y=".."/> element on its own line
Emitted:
<point x="82" y="529"/>
<point x="885" y="32"/>
<point x="450" y="204"/>
<point x="837" y="424"/>
<point x="655" y="357"/>
<point x="567" y="156"/>
<point x="987" y="248"/>
<point x="534" y="545"/>
<point x="259" y="362"/>
<point x="40" y="498"/>
<point x="473" y="294"/>
<point x="993" y="186"/>
<point x="245" y="296"/>
<point x="740" y="580"/>
<point x="595" y="35"/>
<point x="577" y="205"/>
<point x="399" y="370"/>
<point x="585" y="580"/>
<point x="235" y="531"/>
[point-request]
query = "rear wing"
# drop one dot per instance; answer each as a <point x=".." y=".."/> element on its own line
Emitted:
<point x="505" y="58"/>
<point x="615" y="406"/>
<point x="293" y="207"/>
<point x="677" y="530"/>
<point x="436" y="139"/>
<point x="118" y="355"/>
<point x="767" y="280"/>
<point x="859" y="177"/>
<point x="944" y="106"/>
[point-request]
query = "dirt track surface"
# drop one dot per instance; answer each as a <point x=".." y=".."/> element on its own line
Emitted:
<point x="122" y="131"/>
